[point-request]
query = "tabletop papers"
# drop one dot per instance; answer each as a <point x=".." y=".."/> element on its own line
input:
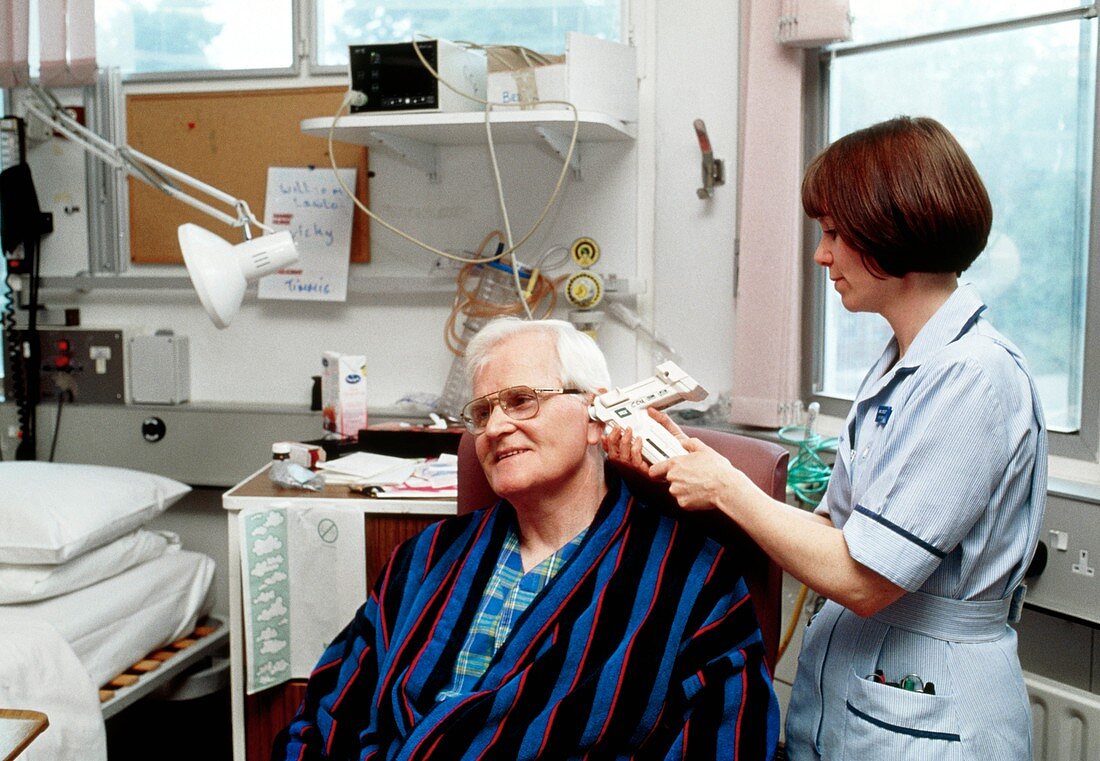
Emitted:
<point x="436" y="479"/>
<point x="377" y="469"/>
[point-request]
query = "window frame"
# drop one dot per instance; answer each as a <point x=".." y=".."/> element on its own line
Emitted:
<point x="1083" y="444"/>
<point x="193" y="75"/>
<point x="312" y="42"/>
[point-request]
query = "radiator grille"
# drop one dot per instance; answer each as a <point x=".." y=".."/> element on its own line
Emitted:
<point x="1065" y="721"/>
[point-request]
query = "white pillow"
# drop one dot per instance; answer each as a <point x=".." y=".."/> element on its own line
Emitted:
<point x="30" y="583"/>
<point x="51" y="512"/>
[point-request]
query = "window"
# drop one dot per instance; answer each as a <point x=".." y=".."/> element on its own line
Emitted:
<point x="157" y="39"/>
<point x="1015" y="81"/>
<point x="537" y="24"/>
<point x="144" y="38"/>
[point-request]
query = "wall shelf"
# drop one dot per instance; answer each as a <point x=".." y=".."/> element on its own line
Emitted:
<point x="416" y="137"/>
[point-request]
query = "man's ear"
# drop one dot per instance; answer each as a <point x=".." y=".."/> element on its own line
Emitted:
<point x="595" y="427"/>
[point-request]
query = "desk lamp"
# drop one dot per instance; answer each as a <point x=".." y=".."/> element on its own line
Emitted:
<point x="219" y="271"/>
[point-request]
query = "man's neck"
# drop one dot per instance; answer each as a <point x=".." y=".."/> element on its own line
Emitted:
<point x="550" y="523"/>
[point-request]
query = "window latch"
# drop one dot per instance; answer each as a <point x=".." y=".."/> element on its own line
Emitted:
<point x="714" y="170"/>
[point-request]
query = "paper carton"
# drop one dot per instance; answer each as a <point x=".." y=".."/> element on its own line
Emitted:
<point x="344" y="393"/>
<point x="595" y="75"/>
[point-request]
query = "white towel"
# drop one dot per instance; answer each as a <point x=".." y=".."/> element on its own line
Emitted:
<point x="304" y="572"/>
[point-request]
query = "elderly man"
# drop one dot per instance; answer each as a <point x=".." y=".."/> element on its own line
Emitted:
<point x="567" y="620"/>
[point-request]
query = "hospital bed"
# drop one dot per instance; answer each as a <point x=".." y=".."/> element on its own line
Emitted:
<point x="83" y="656"/>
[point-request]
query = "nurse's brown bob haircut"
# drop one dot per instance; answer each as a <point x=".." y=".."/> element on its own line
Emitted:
<point x="904" y="194"/>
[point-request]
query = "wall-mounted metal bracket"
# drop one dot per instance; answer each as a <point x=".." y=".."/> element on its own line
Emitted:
<point x="559" y="144"/>
<point x="714" y="170"/>
<point x="424" y="156"/>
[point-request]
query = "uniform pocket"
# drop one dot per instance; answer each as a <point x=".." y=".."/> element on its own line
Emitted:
<point x="885" y="722"/>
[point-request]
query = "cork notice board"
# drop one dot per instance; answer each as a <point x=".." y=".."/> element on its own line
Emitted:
<point x="228" y="140"/>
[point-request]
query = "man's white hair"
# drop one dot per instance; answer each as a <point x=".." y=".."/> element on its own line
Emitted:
<point x="581" y="363"/>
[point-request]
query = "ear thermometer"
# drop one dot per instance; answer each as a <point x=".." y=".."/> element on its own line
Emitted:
<point x="626" y="408"/>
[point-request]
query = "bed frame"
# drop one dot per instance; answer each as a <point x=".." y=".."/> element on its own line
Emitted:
<point x="168" y="670"/>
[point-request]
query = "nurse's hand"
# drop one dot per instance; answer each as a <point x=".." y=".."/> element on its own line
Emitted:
<point x="701" y="479"/>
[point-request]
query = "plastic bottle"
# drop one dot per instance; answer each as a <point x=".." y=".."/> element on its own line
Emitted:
<point x="291" y="475"/>
<point x="495" y="294"/>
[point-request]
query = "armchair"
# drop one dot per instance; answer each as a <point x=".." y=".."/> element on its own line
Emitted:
<point x="764" y="462"/>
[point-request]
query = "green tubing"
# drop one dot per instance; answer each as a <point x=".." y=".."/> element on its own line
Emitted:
<point x="807" y="474"/>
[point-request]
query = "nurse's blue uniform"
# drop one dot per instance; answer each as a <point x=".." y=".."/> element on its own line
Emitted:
<point x="939" y="485"/>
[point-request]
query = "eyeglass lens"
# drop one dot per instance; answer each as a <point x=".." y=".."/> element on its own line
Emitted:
<point x="518" y="402"/>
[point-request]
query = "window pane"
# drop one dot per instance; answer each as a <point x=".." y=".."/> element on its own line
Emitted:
<point x="537" y="24"/>
<point x="1021" y="104"/>
<point x="150" y="36"/>
<point x="875" y="20"/>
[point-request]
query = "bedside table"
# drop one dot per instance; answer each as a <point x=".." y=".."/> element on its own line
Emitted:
<point x="259" y="717"/>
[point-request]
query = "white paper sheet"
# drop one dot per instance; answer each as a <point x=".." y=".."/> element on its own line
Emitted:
<point x="376" y="468"/>
<point x="304" y="574"/>
<point x="312" y="206"/>
<point x="412" y="492"/>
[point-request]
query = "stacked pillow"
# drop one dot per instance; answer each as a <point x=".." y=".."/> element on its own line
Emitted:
<point x="64" y="527"/>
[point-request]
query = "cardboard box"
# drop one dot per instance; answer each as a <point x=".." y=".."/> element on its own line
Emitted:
<point x="306" y="455"/>
<point x="344" y="393"/>
<point x="595" y="75"/>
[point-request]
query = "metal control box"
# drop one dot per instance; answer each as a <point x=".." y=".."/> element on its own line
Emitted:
<point x="160" y="369"/>
<point x="393" y="78"/>
<point x="82" y="366"/>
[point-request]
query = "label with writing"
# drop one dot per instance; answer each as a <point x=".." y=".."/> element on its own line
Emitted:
<point x="315" y="210"/>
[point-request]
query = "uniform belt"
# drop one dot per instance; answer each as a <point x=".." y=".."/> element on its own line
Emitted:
<point x="947" y="619"/>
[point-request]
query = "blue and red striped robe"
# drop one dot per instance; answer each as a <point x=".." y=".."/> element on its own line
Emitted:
<point x="644" y="645"/>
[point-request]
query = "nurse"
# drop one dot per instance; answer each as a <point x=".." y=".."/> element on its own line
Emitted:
<point x="934" y="507"/>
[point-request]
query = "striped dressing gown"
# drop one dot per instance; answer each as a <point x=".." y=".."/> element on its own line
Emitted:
<point x="939" y="486"/>
<point x="644" y="645"/>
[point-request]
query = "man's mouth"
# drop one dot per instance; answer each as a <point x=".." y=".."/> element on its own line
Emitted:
<point x="506" y="453"/>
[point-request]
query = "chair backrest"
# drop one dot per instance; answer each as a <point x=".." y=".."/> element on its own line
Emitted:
<point x="764" y="462"/>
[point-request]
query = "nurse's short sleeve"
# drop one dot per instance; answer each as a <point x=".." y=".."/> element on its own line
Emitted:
<point x="936" y="469"/>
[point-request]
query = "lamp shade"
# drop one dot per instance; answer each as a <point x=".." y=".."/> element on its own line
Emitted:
<point x="220" y="271"/>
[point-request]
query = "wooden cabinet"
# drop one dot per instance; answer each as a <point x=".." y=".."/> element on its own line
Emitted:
<point x="258" y="718"/>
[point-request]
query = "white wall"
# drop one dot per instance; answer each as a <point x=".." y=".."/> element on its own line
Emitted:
<point x="696" y="73"/>
<point x="636" y="199"/>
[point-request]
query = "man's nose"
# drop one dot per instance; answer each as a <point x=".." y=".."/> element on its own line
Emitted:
<point x="498" y="421"/>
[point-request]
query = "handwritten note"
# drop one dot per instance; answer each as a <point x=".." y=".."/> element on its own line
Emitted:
<point x="311" y="205"/>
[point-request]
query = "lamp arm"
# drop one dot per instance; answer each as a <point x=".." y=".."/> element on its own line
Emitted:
<point x="140" y="166"/>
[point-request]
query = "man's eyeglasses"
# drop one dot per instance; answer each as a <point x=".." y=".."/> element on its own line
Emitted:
<point x="518" y="403"/>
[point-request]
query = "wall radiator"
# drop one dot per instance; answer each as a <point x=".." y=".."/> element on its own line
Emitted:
<point x="1065" y="721"/>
